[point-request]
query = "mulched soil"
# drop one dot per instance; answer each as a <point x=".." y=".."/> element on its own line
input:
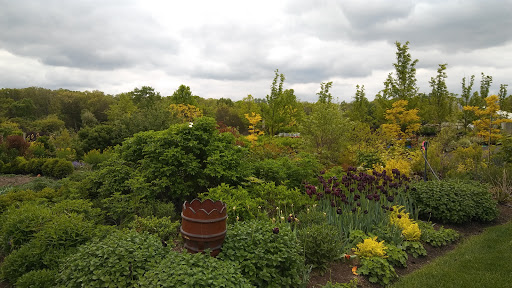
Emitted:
<point x="15" y="180"/>
<point x="341" y="272"/>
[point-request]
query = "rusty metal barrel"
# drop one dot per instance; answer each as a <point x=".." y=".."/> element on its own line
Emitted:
<point x="203" y="225"/>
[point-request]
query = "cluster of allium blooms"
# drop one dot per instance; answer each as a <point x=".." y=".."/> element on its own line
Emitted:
<point x="356" y="186"/>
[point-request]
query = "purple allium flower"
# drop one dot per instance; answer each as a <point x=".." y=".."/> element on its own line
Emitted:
<point x="333" y="204"/>
<point x="351" y="168"/>
<point x="275" y="230"/>
<point x="391" y="198"/>
<point x="399" y="216"/>
<point x="369" y="197"/>
<point x="391" y="209"/>
<point x="354" y="210"/>
<point x="358" y="204"/>
<point x="365" y="212"/>
<point x="339" y="211"/>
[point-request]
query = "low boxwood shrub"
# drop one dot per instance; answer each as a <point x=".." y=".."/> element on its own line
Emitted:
<point x="38" y="278"/>
<point x="119" y="260"/>
<point x="269" y="254"/>
<point x="194" y="270"/>
<point x="454" y="201"/>
<point x="57" y="168"/>
<point x="321" y="244"/>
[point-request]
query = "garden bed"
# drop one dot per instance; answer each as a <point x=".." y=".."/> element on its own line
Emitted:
<point x="341" y="272"/>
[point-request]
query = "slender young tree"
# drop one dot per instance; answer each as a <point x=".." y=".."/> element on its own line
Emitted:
<point x="402" y="85"/>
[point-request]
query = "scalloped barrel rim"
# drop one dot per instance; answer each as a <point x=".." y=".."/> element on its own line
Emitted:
<point x="203" y="225"/>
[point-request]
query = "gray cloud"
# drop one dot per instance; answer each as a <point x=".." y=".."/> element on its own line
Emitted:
<point x="89" y="34"/>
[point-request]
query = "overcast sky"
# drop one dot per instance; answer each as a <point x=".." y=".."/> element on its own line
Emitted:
<point x="231" y="48"/>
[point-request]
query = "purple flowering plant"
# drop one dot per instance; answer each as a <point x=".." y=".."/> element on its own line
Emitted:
<point x="361" y="200"/>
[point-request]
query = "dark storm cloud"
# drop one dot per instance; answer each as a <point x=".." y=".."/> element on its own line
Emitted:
<point x="88" y="34"/>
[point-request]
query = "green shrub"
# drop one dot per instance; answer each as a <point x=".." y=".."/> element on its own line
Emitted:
<point x="19" y="262"/>
<point x="415" y="248"/>
<point x="396" y="256"/>
<point x="16" y="196"/>
<point x="119" y="260"/>
<point x="378" y="270"/>
<point x="194" y="270"/>
<point x="55" y="240"/>
<point x="57" y="168"/>
<point x="291" y="172"/>
<point x="164" y="228"/>
<point x="439" y="237"/>
<point x="96" y="157"/>
<point x="62" y="169"/>
<point x="268" y="254"/>
<point x="321" y="244"/>
<point x="241" y="205"/>
<point x="311" y="216"/>
<point x="19" y="224"/>
<point x="158" y="209"/>
<point x="38" y="278"/>
<point x="79" y="206"/>
<point x="454" y="201"/>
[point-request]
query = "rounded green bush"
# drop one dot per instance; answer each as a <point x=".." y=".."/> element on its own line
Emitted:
<point x="19" y="224"/>
<point x="54" y="241"/>
<point x="62" y="169"/>
<point x="269" y="254"/>
<point x="454" y="201"/>
<point x="119" y="260"/>
<point x="321" y="244"/>
<point x="194" y="270"/>
<point x="38" y="278"/>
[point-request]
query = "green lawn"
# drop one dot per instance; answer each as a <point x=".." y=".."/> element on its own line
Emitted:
<point x="484" y="260"/>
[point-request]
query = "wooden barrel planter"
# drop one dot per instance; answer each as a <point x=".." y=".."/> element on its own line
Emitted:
<point x="203" y="225"/>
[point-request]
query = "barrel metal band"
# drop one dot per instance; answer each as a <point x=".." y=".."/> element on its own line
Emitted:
<point x="203" y="221"/>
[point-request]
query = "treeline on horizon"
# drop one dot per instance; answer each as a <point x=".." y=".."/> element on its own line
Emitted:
<point x="101" y="120"/>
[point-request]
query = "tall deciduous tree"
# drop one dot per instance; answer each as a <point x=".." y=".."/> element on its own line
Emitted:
<point x="281" y="109"/>
<point x="324" y="96"/>
<point x="360" y="109"/>
<point x="440" y="99"/>
<point x="183" y="96"/>
<point x="465" y="100"/>
<point x="326" y="132"/>
<point x="402" y="85"/>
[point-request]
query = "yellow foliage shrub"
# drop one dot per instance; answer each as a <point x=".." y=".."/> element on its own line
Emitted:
<point x="370" y="248"/>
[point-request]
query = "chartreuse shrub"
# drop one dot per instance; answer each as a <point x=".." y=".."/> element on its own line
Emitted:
<point x="119" y="260"/>
<point x="38" y="278"/>
<point x="321" y="244"/>
<point x="17" y="196"/>
<point x="194" y="270"/>
<point x="454" y="201"/>
<point x="268" y="254"/>
<point x="373" y="263"/>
